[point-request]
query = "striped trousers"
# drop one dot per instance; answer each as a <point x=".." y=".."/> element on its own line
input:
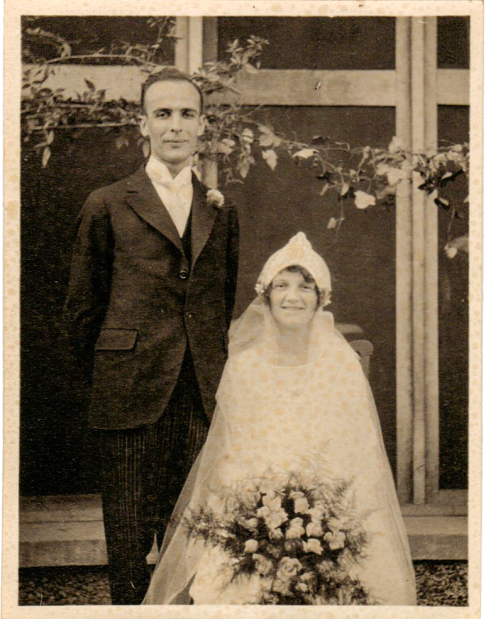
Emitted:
<point x="142" y="474"/>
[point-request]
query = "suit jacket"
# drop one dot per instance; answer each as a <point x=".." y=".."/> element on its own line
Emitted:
<point x="135" y="303"/>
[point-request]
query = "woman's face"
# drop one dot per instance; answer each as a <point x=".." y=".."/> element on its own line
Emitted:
<point x="293" y="301"/>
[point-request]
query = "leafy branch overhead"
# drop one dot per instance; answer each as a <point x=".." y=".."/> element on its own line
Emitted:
<point x="238" y="139"/>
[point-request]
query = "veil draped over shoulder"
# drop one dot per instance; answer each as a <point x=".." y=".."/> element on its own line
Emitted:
<point x="269" y="416"/>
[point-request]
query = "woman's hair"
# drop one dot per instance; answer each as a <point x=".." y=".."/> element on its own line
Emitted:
<point x="322" y="295"/>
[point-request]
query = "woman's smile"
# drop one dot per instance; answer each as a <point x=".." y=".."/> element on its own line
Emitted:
<point x="293" y="300"/>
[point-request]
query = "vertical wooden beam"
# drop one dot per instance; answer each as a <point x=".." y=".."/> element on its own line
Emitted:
<point x="189" y="45"/>
<point x="404" y="269"/>
<point x="417" y="268"/>
<point x="189" y="57"/>
<point x="210" y="39"/>
<point x="182" y="43"/>
<point x="210" y="54"/>
<point x="418" y="262"/>
<point x="431" y="317"/>
<point x="195" y="43"/>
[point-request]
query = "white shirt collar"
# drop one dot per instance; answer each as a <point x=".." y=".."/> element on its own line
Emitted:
<point x="158" y="172"/>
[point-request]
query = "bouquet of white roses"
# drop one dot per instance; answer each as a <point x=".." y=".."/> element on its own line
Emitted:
<point x="298" y="534"/>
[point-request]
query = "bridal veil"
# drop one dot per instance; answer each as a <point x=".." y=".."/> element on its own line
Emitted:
<point x="268" y="415"/>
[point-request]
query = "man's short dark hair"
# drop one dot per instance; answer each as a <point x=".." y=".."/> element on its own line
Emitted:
<point x="169" y="74"/>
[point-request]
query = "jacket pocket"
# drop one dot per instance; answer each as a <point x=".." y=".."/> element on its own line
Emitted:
<point x="116" y="339"/>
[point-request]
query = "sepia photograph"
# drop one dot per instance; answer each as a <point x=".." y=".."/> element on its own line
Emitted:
<point x="244" y="359"/>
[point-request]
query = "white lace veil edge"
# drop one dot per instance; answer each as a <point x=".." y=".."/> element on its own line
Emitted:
<point x="256" y="328"/>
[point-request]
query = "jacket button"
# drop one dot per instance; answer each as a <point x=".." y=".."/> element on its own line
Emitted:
<point x="183" y="274"/>
<point x="188" y="315"/>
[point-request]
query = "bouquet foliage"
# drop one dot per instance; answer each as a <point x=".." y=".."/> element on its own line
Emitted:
<point x="298" y="534"/>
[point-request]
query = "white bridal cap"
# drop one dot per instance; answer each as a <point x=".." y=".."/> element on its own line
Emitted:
<point x="298" y="251"/>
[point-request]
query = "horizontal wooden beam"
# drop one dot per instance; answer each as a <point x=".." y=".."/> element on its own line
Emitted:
<point x="453" y="87"/>
<point x="272" y="87"/>
<point x="445" y="503"/>
<point x="120" y="82"/>
<point x="317" y="88"/>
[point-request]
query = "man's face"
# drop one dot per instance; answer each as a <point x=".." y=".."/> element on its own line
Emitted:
<point x="172" y="122"/>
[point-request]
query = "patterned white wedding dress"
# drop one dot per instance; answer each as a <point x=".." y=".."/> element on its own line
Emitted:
<point x="289" y="418"/>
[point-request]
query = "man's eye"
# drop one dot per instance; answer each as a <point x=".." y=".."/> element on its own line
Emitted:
<point x="162" y="114"/>
<point x="189" y="114"/>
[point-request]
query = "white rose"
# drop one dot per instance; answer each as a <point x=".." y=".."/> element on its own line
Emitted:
<point x="295" y="530"/>
<point x="301" y="505"/>
<point x="252" y="523"/>
<point x="313" y="545"/>
<point x="314" y="529"/>
<point x="316" y="513"/>
<point x="288" y="567"/>
<point x="263" y="565"/>
<point x="274" y="533"/>
<point x="251" y="545"/>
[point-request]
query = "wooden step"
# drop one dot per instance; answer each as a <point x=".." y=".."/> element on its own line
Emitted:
<point x="68" y="530"/>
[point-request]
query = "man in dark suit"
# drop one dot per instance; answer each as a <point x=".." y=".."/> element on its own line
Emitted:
<point x="150" y="300"/>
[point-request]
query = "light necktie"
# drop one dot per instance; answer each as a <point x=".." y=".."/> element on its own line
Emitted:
<point x="178" y="209"/>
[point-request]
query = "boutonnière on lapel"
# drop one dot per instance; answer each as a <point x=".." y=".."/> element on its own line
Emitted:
<point x="215" y="198"/>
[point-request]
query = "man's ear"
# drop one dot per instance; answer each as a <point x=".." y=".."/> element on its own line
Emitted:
<point x="202" y="124"/>
<point x="142" y="121"/>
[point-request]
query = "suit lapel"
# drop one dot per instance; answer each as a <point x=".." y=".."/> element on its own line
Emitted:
<point x="203" y="216"/>
<point x="145" y="201"/>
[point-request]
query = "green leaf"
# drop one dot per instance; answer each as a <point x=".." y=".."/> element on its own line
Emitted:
<point x="50" y="137"/>
<point x="226" y="146"/>
<point x="90" y="85"/>
<point x="270" y="157"/>
<point x="244" y="168"/>
<point x="344" y="189"/>
<point x="266" y="139"/>
<point x="233" y="47"/>
<point x="305" y="153"/>
<point x="265" y="129"/>
<point x="121" y="141"/>
<point x="250" y="68"/>
<point x="46" y="156"/>
<point x="318" y="140"/>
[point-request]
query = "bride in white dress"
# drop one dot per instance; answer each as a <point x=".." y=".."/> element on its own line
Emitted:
<point x="292" y="397"/>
